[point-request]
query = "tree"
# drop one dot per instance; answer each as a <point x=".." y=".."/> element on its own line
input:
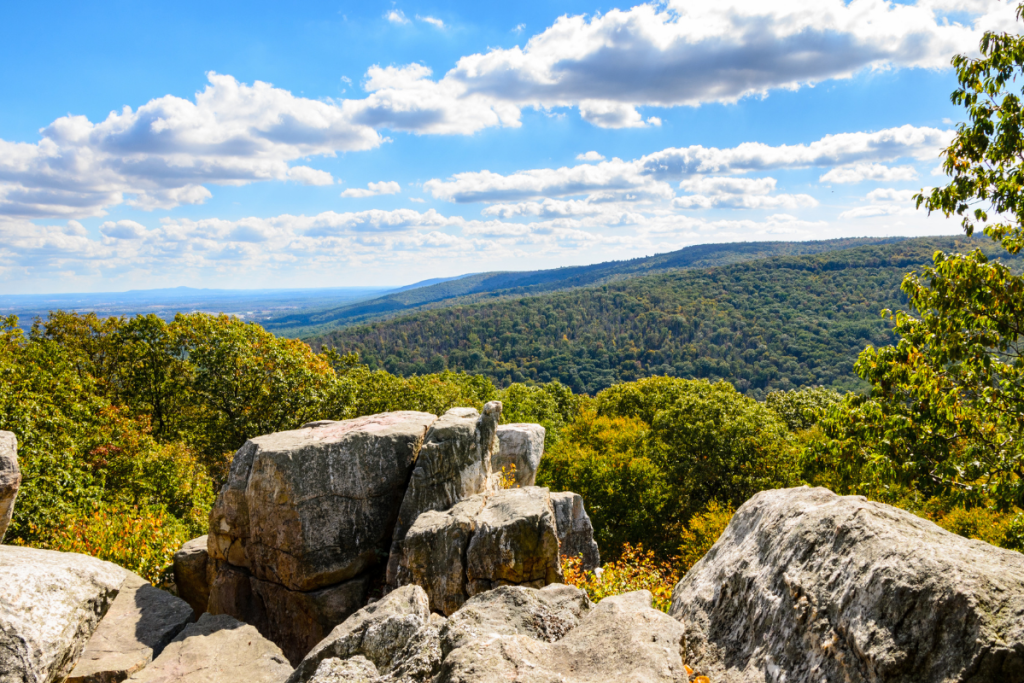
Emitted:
<point x="946" y="410"/>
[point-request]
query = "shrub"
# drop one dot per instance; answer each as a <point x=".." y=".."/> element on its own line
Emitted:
<point x="702" y="531"/>
<point x="636" y="569"/>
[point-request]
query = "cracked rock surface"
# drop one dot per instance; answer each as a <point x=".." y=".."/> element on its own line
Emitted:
<point x="806" y="586"/>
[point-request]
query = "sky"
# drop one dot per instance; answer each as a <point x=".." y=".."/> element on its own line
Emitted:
<point x="321" y="144"/>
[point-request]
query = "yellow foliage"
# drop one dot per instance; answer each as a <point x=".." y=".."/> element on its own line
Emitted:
<point x="704" y="529"/>
<point x="635" y="570"/>
<point x="507" y="478"/>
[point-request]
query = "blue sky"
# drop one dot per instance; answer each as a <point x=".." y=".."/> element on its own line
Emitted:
<point x="255" y="144"/>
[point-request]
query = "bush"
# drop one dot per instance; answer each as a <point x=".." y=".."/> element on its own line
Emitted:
<point x="636" y="569"/>
<point x="701" y="533"/>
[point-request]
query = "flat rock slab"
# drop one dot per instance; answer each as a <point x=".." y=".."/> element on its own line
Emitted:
<point x="807" y="586"/>
<point x="488" y="540"/>
<point x="141" y="621"/>
<point x="10" y="479"/>
<point x="193" y="574"/>
<point x="217" y="649"/>
<point x="521" y="446"/>
<point x="312" y="507"/>
<point x="50" y="605"/>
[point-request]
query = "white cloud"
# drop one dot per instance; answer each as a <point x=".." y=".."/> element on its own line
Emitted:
<point x="374" y="189"/>
<point x="396" y="16"/>
<point x="738" y="193"/>
<point x="433" y="21"/>
<point x="884" y="201"/>
<point x="648" y="173"/>
<point x="123" y="230"/>
<point x="877" y="172"/>
<point x="309" y="176"/>
<point x="590" y="156"/>
<point x="518" y="28"/>
<point x="887" y="194"/>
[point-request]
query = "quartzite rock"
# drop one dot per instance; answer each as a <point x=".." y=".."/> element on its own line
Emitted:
<point x="378" y="631"/>
<point x="217" y="649"/>
<point x="193" y="574"/>
<point x="356" y="670"/>
<point x="575" y="532"/>
<point x="521" y="446"/>
<point x="807" y="586"/>
<point x="10" y="479"/>
<point x="485" y="541"/>
<point x="141" y="621"/>
<point x="453" y="464"/>
<point x="50" y="604"/>
<point x="313" y="507"/>
<point x="622" y="639"/>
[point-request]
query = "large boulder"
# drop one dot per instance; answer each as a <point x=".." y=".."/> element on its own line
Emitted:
<point x="304" y="518"/>
<point x="488" y="540"/>
<point x="10" y="479"/>
<point x="807" y="586"/>
<point x="575" y="532"/>
<point x="356" y="670"/>
<point x="193" y="574"/>
<point x="520" y="448"/>
<point x="378" y="632"/>
<point x="50" y="604"/>
<point x="217" y="649"/>
<point x="141" y="621"/>
<point x="453" y="464"/>
<point x="622" y="639"/>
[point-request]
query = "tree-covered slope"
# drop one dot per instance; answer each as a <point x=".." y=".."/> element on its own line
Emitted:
<point x="486" y="285"/>
<point x="777" y="323"/>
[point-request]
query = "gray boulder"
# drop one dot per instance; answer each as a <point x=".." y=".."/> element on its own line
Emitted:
<point x="50" y="604"/>
<point x="520" y="446"/>
<point x="356" y="670"/>
<point x="420" y="659"/>
<point x="141" y="621"/>
<point x="805" y="585"/>
<point x="622" y="639"/>
<point x="217" y="649"/>
<point x="575" y="532"/>
<point x="378" y="632"/>
<point x="10" y="479"/>
<point x="193" y="574"/>
<point x="489" y="540"/>
<point x="454" y="464"/>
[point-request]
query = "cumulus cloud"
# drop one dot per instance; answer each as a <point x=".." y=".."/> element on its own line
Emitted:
<point x="309" y="176"/>
<point x="649" y="173"/>
<point x="877" y="172"/>
<point x="590" y="156"/>
<point x="396" y="16"/>
<point x="738" y="193"/>
<point x="884" y="201"/>
<point x="123" y="230"/>
<point x="433" y="21"/>
<point x="374" y="189"/>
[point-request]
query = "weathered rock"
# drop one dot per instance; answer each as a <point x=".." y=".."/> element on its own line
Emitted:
<point x="10" y="479"/>
<point x="141" y="621"/>
<point x="521" y="446"/>
<point x="547" y="614"/>
<point x="295" y="620"/>
<point x="378" y="631"/>
<point x="217" y="649"/>
<point x="453" y="464"/>
<point x="50" y="604"/>
<point x="485" y="541"/>
<point x="805" y="585"/>
<point x="356" y="670"/>
<point x="193" y="574"/>
<point x="420" y="659"/>
<point x="575" y="532"/>
<point x="622" y="639"/>
<point x="313" y="507"/>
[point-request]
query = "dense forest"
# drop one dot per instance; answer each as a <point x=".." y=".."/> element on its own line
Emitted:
<point x="777" y="323"/>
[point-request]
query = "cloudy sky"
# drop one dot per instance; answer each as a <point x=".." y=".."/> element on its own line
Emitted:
<point x="268" y="144"/>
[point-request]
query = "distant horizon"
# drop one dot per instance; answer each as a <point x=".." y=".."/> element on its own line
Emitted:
<point x="316" y="146"/>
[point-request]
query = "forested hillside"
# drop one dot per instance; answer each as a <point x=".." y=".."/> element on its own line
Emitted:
<point x="778" y="323"/>
<point x="481" y="286"/>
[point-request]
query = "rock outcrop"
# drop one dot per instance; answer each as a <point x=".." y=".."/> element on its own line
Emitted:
<point x="217" y="649"/>
<point x="453" y="464"/>
<point x="538" y="636"/>
<point x="193" y="574"/>
<point x="520" y="447"/>
<point x="141" y="621"/>
<point x="378" y="632"/>
<point x="488" y="540"/>
<point x="50" y="604"/>
<point x="303" y="516"/>
<point x="807" y="586"/>
<point x="575" y="532"/>
<point x="10" y="479"/>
